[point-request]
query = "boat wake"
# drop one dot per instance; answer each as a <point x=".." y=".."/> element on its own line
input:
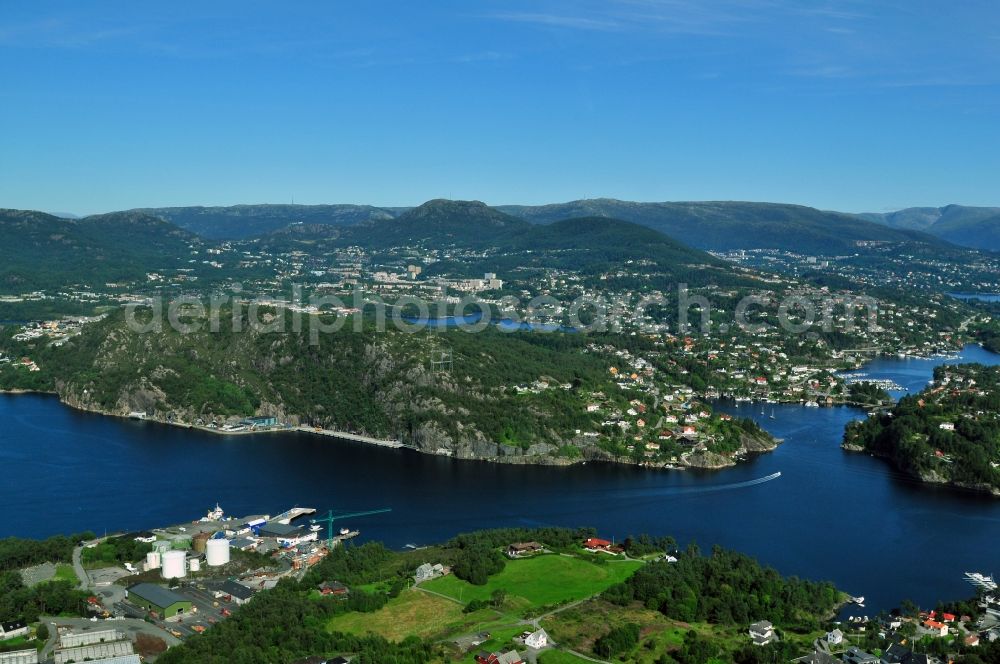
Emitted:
<point x="727" y="487"/>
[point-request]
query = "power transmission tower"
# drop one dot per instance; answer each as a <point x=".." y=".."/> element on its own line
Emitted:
<point x="442" y="361"/>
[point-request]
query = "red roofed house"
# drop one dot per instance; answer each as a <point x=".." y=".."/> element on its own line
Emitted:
<point x="940" y="628"/>
<point x="596" y="544"/>
<point x="509" y="657"/>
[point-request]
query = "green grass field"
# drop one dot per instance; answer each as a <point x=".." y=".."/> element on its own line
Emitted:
<point x="540" y="581"/>
<point x="559" y="657"/>
<point x="412" y="613"/>
<point x="65" y="572"/>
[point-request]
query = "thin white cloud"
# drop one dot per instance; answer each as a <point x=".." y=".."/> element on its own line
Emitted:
<point x="485" y="56"/>
<point x="61" y="33"/>
<point x="559" y="20"/>
<point x="824" y="71"/>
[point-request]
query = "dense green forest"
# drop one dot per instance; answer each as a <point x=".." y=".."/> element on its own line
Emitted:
<point x="283" y="625"/>
<point x="949" y="432"/>
<point x="19" y="602"/>
<point x="116" y="550"/>
<point x="726" y="588"/>
<point x="17" y="553"/>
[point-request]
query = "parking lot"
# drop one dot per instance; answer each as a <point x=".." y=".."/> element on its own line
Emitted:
<point x="105" y="576"/>
<point x="206" y="610"/>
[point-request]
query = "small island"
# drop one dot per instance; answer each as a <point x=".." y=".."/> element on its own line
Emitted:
<point x="946" y="434"/>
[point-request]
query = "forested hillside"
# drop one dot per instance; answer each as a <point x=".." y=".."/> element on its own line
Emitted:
<point x="378" y="384"/>
<point x="948" y="433"/>
<point x="239" y="222"/>
<point x="40" y="251"/>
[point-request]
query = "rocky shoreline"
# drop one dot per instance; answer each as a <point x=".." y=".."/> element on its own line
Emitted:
<point x="477" y="450"/>
<point x="928" y="477"/>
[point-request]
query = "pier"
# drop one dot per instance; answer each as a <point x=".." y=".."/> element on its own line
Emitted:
<point x="292" y="514"/>
<point x="395" y="444"/>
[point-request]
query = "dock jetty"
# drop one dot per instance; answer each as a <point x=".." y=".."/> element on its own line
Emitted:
<point x="395" y="444"/>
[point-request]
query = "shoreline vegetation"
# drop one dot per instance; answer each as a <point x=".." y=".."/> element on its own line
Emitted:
<point x="945" y="434"/>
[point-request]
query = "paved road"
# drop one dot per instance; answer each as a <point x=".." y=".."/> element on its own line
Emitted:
<point x="50" y="644"/>
<point x="81" y="573"/>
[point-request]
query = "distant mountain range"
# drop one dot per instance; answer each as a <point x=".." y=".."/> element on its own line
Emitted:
<point x="442" y="222"/>
<point x="590" y="245"/>
<point x="39" y="251"/>
<point x="240" y="222"/>
<point x="715" y="226"/>
<point x="43" y="251"/>
<point x="725" y="226"/>
<point x="975" y="227"/>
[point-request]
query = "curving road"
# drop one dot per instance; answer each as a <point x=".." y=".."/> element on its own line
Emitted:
<point x="81" y="573"/>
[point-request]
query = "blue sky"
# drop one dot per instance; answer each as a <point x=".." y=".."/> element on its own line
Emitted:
<point x="837" y="104"/>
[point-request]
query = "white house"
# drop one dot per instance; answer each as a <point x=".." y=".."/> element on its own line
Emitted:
<point x="427" y="571"/>
<point x="947" y="426"/>
<point x="836" y="637"/>
<point x="762" y="633"/>
<point x="13" y="629"/>
<point x="537" y="639"/>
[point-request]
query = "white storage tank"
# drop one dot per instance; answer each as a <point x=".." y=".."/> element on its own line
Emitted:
<point x="217" y="552"/>
<point x="194" y="565"/>
<point x="174" y="564"/>
<point x="153" y="560"/>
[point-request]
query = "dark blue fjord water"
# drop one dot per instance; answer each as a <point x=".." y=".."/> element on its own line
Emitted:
<point x="831" y="515"/>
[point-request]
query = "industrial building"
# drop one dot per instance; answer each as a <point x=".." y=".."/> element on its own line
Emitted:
<point x="120" y="659"/>
<point x="93" y="652"/>
<point x="260" y="422"/>
<point x="166" y="603"/>
<point x="75" y="640"/>
<point x="239" y="593"/>
<point x="19" y="657"/>
<point x="287" y="535"/>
